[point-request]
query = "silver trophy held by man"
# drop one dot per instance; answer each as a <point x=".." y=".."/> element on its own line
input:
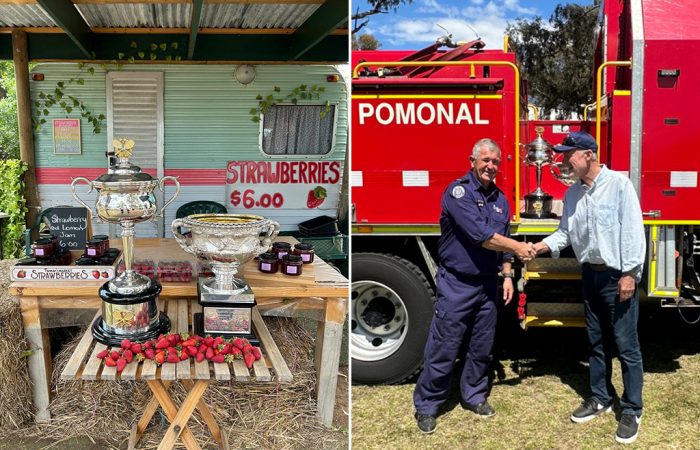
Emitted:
<point x="125" y="197"/>
<point x="226" y="242"/>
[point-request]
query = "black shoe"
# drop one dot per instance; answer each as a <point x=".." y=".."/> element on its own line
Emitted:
<point x="426" y="423"/>
<point x="482" y="409"/>
<point x="588" y="410"/>
<point x="628" y="428"/>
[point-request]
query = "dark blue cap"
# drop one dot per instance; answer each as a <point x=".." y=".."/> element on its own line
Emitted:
<point x="577" y="140"/>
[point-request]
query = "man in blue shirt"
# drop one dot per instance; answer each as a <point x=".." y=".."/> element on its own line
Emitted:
<point x="602" y="221"/>
<point x="475" y="226"/>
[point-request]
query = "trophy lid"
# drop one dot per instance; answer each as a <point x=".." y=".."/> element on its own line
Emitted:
<point x="123" y="170"/>
<point x="539" y="143"/>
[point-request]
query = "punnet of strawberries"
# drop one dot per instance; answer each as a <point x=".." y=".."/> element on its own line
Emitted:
<point x="175" y="347"/>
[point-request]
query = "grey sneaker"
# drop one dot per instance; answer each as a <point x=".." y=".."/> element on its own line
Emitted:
<point x="628" y="428"/>
<point x="589" y="409"/>
<point x="426" y="423"/>
<point x="482" y="409"/>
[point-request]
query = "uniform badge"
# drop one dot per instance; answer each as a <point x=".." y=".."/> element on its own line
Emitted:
<point x="479" y="203"/>
<point x="458" y="192"/>
<point x="497" y="209"/>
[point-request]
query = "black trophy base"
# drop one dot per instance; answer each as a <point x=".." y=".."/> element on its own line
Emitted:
<point x="198" y="326"/>
<point x="538" y="206"/>
<point x="108" y="337"/>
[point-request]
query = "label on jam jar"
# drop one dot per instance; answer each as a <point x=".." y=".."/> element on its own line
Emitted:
<point x="39" y="251"/>
<point x="291" y="270"/>
<point x="265" y="266"/>
<point x="306" y="257"/>
<point x="280" y="255"/>
<point x="91" y="252"/>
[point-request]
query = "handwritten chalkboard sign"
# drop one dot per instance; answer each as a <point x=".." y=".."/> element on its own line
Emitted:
<point x="70" y="224"/>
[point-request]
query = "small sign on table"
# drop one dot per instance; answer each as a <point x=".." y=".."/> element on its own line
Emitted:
<point x="71" y="225"/>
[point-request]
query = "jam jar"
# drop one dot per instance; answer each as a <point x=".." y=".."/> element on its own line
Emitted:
<point x="281" y="249"/>
<point x="105" y="241"/>
<point x="306" y="251"/>
<point x="43" y="248"/>
<point x="268" y="263"/>
<point x="291" y="265"/>
<point x="94" y="248"/>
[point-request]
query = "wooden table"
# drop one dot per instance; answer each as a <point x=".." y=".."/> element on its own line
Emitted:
<point x="325" y="300"/>
<point x="196" y="376"/>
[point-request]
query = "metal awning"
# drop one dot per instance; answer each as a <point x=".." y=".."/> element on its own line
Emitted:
<point x="255" y="31"/>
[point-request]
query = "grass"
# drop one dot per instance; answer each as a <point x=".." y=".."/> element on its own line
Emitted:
<point x="539" y="378"/>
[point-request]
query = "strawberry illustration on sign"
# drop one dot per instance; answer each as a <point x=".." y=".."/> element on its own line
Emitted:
<point x="316" y="197"/>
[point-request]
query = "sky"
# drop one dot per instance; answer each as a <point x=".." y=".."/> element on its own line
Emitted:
<point x="414" y="26"/>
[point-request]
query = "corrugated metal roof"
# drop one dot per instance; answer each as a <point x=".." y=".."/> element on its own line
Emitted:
<point x="24" y="16"/>
<point x="137" y="15"/>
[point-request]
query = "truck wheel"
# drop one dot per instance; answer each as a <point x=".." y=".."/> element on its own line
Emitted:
<point x="392" y="307"/>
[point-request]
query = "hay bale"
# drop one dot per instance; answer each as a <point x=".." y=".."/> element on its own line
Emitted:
<point x="254" y="415"/>
<point x="16" y="409"/>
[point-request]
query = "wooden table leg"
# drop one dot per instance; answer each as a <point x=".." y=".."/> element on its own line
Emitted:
<point x="179" y="423"/>
<point x="171" y="411"/>
<point x="40" y="360"/>
<point x="329" y="337"/>
<point x="140" y="426"/>
<point x="208" y="418"/>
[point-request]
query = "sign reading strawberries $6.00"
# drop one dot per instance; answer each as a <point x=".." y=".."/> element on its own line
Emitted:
<point x="283" y="184"/>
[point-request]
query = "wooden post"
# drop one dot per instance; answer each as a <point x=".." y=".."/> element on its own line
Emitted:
<point x="329" y="336"/>
<point x="24" y="117"/>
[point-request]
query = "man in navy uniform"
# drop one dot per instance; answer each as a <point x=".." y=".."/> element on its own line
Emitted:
<point x="602" y="221"/>
<point x="474" y="246"/>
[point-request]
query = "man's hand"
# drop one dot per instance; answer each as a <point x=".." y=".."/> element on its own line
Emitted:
<point x="525" y="251"/>
<point x="507" y="290"/>
<point x="541" y="247"/>
<point x="625" y="287"/>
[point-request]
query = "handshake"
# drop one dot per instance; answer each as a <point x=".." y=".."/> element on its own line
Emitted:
<point x="527" y="251"/>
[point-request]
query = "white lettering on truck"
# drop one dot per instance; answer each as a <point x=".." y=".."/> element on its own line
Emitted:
<point x="425" y="113"/>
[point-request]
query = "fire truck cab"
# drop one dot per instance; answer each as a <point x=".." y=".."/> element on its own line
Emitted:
<point x="415" y="117"/>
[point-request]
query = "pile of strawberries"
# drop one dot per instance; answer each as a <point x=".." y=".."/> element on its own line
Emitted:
<point x="174" y="347"/>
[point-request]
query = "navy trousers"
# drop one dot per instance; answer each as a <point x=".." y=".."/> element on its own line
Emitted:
<point x="464" y="326"/>
<point x="611" y="325"/>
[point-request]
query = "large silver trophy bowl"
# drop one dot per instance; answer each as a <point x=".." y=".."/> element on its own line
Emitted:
<point x="125" y="197"/>
<point x="226" y="241"/>
<point x="538" y="153"/>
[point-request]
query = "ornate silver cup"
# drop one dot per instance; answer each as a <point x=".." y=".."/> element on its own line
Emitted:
<point x="125" y="197"/>
<point x="538" y="153"/>
<point x="225" y="241"/>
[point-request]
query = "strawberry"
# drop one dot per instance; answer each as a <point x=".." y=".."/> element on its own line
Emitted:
<point x="136" y="348"/>
<point x="237" y="353"/>
<point x="160" y="358"/>
<point x="126" y="344"/>
<point x="224" y="349"/>
<point x="103" y="354"/>
<point x="209" y="353"/>
<point x="192" y="351"/>
<point x="218" y="341"/>
<point x="139" y="357"/>
<point x="238" y="343"/>
<point x="184" y="356"/>
<point x="149" y="353"/>
<point x="218" y="358"/>
<point x="209" y="341"/>
<point x="247" y="349"/>
<point x="163" y="343"/>
<point x="121" y="363"/>
<point x="199" y="357"/>
<point x="114" y="355"/>
<point x="148" y="344"/>
<point x="257" y="353"/>
<point x="188" y="343"/>
<point x="315" y="197"/>
<point x="173" y="339"/>
<point x="249" y="360"/>
<point x="202" y="348"/>
<point x="109" y="362"/>
<point x="128" y="355"/>
<point x="172" y="358"/>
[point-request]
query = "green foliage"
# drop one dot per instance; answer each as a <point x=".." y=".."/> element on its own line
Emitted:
<point x="9" y="128"/>
<point x="365" y="42"/>
<point x="301" y="92"/>
<point x="361" y="18"/>
<point x="12" y="202"/>
<point x="67" y="103"/>
<point x="556" y="57"/>
<point x="152" y="51"/>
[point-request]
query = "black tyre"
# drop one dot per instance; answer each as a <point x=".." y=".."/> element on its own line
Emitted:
<point x="391" y="311"/>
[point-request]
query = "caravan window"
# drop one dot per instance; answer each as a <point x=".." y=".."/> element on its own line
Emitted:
<point x="298" y="130"/>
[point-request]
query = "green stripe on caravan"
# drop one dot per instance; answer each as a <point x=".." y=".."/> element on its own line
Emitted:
<point x="425" y="113"/>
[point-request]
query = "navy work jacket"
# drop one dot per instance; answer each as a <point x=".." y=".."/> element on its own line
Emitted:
<point x="471" y="215"/>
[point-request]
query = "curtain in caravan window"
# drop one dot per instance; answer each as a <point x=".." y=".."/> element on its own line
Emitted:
<point x="298" y="130"/>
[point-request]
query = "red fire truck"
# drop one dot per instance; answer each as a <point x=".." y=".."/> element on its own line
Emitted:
<point x="415" y="117"/>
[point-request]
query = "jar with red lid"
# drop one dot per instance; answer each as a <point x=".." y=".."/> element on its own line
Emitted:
<point x="268" y="263"/>
<point x="105" y="240"/>
<point x="281" y="249"/>
<point x="291" y="265"/>
<point x="306" y="251"/>
<point x="43" y="248"/>
<point x="94" y="248"/>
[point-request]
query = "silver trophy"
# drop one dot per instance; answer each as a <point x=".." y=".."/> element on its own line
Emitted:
<point x="226" y="242"/>
<point x="538" y="153"/>
<point x="125" y="197"/>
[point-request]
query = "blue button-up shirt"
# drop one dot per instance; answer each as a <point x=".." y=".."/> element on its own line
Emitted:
<point x="603" y="224"/>
<point x="471" y="215"/>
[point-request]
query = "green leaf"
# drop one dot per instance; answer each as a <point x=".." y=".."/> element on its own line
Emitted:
<point x="62" y="105"/>
<point x="120" y="55"/>
<point x="69" y="109"/>
<point x="37" y="104"/>
<point x="91" y="70"/>
<point x="153" y="46"/>
<point x="302" y="87"/>
<point x="153" y="56"/>
<point x="133" y="44"/>
<point x="81" y="81"/>
<point x="255" y="119"/>
<point x="42" y="120"/>
<point x="46" y="112"/>
<point x="163" y="46"/>
<point x="178" y="58"/>
<point x="60" y="84"/>
<point x="277" y="89"/>
<point x="42" y="95"/>
<point x="173" y="45"/>
<point x="131" y="59"/>
<point x="168" y="58"/>
<point x="141" y="55"/>
<point x="258" y="97"/>
<point x="76" y="102"/>
<point x="253" y="111"/>
<point x="97" y="130"/>
<point x="294" y="101"/>
<point x="101" y="117"/>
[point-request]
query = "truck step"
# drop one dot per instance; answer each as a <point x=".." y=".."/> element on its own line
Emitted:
<point x="554" y="315"/>
<point x="552" y="269"/>
<point x="544" y="321"/>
